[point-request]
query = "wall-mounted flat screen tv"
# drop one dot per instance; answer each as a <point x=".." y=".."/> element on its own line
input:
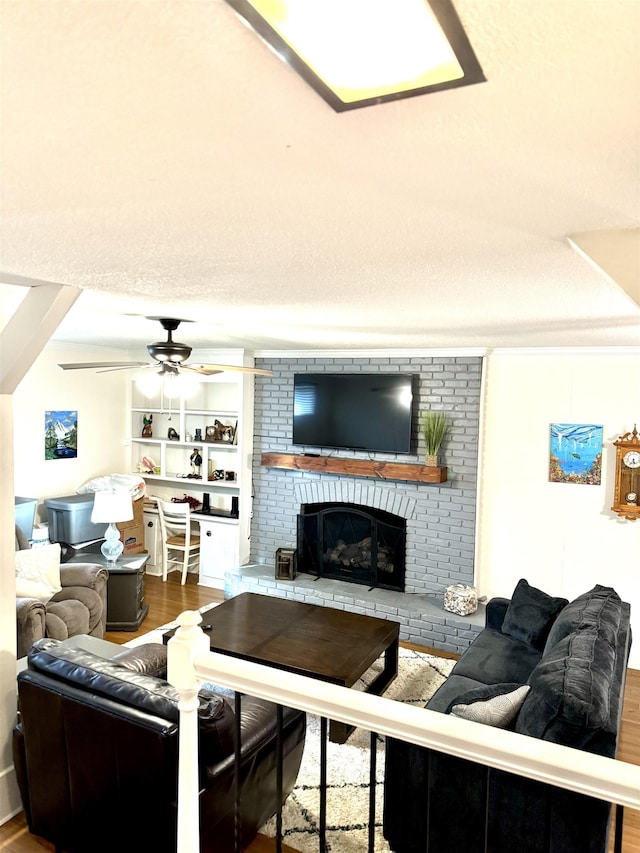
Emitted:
<point x="358" y="411"/>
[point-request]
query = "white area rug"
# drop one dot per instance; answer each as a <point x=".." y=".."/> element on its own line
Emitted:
<point x="419" y="676"/>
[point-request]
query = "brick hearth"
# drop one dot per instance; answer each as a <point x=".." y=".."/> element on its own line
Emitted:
<point x="423" y="619"/>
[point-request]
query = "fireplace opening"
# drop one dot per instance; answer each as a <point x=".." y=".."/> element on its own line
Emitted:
<point x="352" y="543"/>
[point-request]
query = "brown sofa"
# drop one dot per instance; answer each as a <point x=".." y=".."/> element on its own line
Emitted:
<point x="79" y="608"/>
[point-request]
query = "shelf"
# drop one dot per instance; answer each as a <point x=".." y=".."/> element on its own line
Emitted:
<point x="211" y="413"/>
<point x="171" y="442"/>
<point x="210" y="484"/>
<point x="207" y="413"/>
<point x="355" y="467"/>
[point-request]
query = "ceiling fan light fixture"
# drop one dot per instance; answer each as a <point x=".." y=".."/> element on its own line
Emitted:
<point x="149" y="383"/>
<point x="167" y="381"/>
<point x="169" y="351"/>
<point x="178" y="384"/>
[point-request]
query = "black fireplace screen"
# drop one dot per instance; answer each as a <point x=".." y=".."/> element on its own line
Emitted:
<point x="352" y="543"/>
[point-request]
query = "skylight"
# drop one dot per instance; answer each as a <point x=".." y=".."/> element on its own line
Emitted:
<point x="361" y="52"/>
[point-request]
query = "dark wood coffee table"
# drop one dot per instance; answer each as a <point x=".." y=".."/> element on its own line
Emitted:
<point x="319" y="642"/>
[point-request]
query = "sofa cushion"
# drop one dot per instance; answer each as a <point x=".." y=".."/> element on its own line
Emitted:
<point x="493" y="704"/>
<point x="494" y="657"/>
<point x="154" y="695"/>
<point x="530" y="614"/>
<point x="450" y="689"/>
<point x="598" y="608"/>
<point x="571" y="688"/>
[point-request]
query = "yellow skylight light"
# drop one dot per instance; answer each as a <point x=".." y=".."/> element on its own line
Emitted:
<point x="358" y="52"/>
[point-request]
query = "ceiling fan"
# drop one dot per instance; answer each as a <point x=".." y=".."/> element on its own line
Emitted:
<point x="170" y="356"/>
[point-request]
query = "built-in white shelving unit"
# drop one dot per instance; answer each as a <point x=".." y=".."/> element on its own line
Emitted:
<point x="180" y="426"/>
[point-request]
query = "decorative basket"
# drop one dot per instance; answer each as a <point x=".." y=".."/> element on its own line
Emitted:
<point x="461" y="599"/>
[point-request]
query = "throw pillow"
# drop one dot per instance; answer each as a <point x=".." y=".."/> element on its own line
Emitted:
<point x="530" y="614"/>
<point x="493" y="704"/>
<point x="38" y="572"/>
<point x="600" y="607"/>
<point x="573" y="690"/>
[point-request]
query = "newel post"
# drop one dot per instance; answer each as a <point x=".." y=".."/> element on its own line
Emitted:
<point x="189" y="640"/>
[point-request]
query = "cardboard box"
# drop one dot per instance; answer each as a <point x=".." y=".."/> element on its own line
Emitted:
<point x="132" y="531"/>
<point x="133" y="539"/>
<point x="138" y="508"/>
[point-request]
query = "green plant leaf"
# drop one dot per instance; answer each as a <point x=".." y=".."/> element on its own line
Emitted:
<point x="435" y="425"/>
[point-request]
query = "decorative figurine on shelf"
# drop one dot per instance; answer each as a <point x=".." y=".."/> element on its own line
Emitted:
<point x="196" y="462"/>
<point x="222" y="432"/>
<point x="146" y="466"/>
<point x="147" y="426"/>
<point x="172" y="435"/>
<point x="198" y="436"/>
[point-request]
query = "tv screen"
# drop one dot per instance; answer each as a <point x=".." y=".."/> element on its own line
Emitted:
<point x="358" y="411"/>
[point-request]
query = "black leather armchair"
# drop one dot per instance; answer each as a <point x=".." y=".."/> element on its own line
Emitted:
<point x="96" y="748"/>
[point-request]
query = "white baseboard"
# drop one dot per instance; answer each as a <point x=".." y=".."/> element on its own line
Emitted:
<point x="10" y="804"/>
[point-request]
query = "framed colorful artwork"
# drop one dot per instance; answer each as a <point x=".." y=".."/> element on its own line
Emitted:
<point x="575" y="454"/>
<point x="61" y="434"/>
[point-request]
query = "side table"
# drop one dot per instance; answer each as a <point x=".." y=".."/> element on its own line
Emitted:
<point x="125" y="589"/>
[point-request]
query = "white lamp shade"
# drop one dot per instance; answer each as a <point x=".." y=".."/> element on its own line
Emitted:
<point x="112" y="506"/>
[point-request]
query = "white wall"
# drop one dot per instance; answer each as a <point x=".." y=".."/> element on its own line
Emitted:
<point x="101" y="400"/>
<point x="562" y="538"/>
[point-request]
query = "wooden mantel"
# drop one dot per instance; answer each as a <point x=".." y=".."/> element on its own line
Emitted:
<point x="355" y="467"/>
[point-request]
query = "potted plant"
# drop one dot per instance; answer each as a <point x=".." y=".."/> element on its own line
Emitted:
<point x="435" y="425"/>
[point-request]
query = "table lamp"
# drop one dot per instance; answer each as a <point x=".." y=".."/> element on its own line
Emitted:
<point x="111" y="506"/>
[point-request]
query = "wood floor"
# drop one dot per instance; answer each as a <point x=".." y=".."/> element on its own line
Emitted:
<point x="166" y="600"/>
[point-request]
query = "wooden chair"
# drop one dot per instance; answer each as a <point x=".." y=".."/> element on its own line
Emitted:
<point x="180" y="547"/>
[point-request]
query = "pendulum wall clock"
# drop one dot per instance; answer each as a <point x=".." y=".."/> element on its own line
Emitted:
<point x="626" y="500"/>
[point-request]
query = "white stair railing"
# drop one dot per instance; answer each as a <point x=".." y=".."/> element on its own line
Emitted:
<point x="190" y="663"/>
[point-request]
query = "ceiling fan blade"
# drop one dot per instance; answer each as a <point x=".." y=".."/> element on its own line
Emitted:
<point x="201" y="369"/>
<point x="143" y="365"/>
<point x="113" y="365"/>
<point x="210" y="369"/>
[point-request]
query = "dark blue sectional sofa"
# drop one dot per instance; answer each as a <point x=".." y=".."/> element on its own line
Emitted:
<point x="572" y="658"/>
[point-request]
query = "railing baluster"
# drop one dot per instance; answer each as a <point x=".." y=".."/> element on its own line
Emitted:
<point x="279" y="759"/>
<point x="323" y="785"/>
<point x="373" y="744"/>
<point x="236" y="779"/>
<point x="617" y="843"/>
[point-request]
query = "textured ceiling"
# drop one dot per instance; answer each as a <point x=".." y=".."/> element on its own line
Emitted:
<point x="159" y="157"/>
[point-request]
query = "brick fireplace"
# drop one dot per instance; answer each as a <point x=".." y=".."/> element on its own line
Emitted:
<point x="439" y="519"/>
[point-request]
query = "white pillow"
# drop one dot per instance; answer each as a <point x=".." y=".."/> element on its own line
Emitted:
<point x="497" y="710"/>
<point x="38" y="572"/>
